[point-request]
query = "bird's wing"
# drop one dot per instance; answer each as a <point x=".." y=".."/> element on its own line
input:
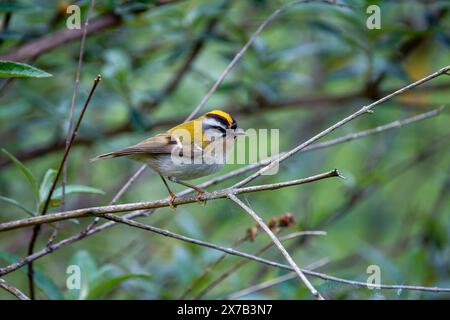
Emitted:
<point x="159" y="144"/>
<point x="181" y="137"/>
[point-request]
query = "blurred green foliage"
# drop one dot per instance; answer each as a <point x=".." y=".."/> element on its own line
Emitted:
<point x="312" y="66"/>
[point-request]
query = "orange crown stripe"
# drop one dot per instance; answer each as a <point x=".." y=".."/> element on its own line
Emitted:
<point x="223" y="114"/>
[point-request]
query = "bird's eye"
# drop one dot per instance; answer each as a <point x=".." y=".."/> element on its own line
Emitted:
<point x="234" y="125"/>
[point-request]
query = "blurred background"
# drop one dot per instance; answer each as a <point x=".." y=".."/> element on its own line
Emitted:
<point x="312" y="66"/>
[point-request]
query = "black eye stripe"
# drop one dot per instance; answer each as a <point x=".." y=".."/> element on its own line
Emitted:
<point x="219" y="118"/>
<point x="221" y="129"/>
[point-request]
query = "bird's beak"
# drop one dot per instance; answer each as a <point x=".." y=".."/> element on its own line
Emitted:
<point x="239" y="132"/>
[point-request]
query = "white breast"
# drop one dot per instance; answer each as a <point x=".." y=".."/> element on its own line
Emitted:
<point x="165" y="166"/>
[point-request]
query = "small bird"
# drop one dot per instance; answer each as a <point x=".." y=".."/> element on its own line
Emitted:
<point x="191" y="150"/>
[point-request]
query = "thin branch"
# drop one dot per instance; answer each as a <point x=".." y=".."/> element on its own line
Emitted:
<point x="383" y="128"/>
<point x="100" y="211"/>
<point x="277" y="242"/>
<point x="13" y="290"/>
<point x="363" y="110"/>
<point x="234" y="252"/>
<point x="252" y="39"/>
<point x="37" y="229"/>
<point x="126" y="186"/>
<point x="126" y="220"/>
<point x="194" y="52"/>
<point x="74" y="97"/>
<point x="117" y="196"/>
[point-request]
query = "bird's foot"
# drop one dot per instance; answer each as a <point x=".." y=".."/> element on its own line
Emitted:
<point x="199" y="197"/>
<point x="172" y="198"/>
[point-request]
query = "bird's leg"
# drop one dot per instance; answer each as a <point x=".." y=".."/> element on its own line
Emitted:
<point x="171" y="194"/>
<point x="199" y="190"/>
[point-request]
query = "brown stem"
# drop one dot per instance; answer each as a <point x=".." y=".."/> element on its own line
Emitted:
<point x="37" y="228"/>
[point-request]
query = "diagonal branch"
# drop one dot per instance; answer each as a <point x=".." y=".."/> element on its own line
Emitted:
<point x="126" y="220"/>
<point x="249" y="109"/>
<point x="234" y="252"/>
<point x="37" y="229"/>
<point x="250" y="41"/>
<point x="13" y="290"/>
<point x="277" y="242"/>
<point x="363" y="110"/>
<point x="74" y="96"/>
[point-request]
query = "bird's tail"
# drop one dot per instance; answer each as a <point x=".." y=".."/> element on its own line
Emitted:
<point x="108" y="155"/>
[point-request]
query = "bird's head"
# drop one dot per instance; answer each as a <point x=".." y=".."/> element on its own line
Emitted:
<point x="219" y="124"/>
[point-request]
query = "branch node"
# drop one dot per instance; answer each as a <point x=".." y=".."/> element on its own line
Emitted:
<point x="338" y="174"/>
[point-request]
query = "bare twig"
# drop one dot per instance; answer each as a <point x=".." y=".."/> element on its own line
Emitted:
<point x="363" y="110"/>
<point x="117" y="196"/>
<point x="194" y="52"/>
<point x="13" y="290"/>
<point x="74" y="97"/>
<point x="262" y="260"/>
<point x="36" y="229"/>
<point x="100" y="211"/>
<point x="277" y="242"/>
<point x="383" y="128"/>
<point x="250" y="41"/>
<point x="126" y="186"/>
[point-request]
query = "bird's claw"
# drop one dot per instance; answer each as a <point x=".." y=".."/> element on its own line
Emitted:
<point x="199" y="199"/>
<point x="172" y="198"/>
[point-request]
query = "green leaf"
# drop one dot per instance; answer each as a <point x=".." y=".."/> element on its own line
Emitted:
<point x="27" y="174"/>
<point x="75" y="188"/>
<point x="45" y="186"/>
<point x="102" y="288"/>
<point x="18" y="204"/>
<point x="46" y="284"/>
<point x="11" y="69"/>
